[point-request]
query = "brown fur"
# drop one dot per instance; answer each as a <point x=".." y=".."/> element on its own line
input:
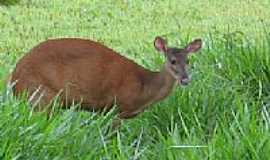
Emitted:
<point x="89" y="72"/>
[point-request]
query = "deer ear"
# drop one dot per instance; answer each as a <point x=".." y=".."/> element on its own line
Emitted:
<point x="194" y="46"/>
<point x="160" y="44"/>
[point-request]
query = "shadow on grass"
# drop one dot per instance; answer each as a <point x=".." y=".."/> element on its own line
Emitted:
<point x="9" y="2"/>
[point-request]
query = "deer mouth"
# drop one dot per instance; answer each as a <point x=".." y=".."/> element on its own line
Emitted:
<point x="184" y="81"/>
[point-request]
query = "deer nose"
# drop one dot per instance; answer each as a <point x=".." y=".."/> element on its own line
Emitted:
<point x="185" y="81"/>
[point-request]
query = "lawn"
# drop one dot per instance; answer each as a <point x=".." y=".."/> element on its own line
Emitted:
<point x="223" y="113"/>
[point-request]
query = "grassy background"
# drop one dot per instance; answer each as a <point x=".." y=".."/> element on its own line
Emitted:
<point x="225" y="108"/>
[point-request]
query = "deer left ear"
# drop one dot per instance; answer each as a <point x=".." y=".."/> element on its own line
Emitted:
<point x="194" y="46"/>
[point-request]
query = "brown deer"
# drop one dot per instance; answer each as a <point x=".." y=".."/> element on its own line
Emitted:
<point x="89" y="73"/>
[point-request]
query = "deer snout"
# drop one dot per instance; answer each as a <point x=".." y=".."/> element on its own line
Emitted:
<point x="184" y="81"/>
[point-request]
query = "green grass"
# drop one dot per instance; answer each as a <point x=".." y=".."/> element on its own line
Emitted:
<point x="225" y="109"/>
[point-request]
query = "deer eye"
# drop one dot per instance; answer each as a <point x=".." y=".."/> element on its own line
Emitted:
<point x="173" y="61"/>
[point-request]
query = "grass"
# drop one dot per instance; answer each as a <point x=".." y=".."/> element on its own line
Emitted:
<point x="224" y="111"/>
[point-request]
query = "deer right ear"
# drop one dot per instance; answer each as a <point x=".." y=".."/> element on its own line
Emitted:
<point x="160" y="44"/>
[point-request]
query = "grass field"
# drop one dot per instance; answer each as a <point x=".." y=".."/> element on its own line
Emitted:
<point x="222" y="114"/>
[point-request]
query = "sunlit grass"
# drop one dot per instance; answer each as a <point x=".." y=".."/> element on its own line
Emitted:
<point x="222" y="114"/>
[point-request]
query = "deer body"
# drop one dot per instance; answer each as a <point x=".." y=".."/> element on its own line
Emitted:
<point x="87" y="72"/>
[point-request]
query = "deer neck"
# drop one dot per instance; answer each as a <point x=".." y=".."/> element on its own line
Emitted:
<point x="161" y="84"/>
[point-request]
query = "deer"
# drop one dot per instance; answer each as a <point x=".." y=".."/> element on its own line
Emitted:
<point x="95" y="76"/>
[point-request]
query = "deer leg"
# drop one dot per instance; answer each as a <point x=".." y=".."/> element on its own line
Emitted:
<point x="41" y="101"/>
<point x="116" y="124"/>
